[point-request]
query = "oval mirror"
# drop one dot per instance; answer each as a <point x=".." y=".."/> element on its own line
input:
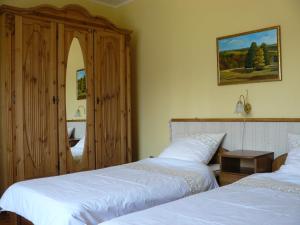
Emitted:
<point x="76" y="100"/>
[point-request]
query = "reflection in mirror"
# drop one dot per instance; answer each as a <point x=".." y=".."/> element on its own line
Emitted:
<point x="76" y="100"/>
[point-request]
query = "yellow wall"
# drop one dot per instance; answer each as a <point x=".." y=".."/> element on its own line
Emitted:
<point x="75" y="62"/>
<point x="174" y="45"/>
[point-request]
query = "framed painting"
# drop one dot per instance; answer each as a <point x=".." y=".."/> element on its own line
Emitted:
<point x="253" y="56"/>
<point x="81" y="84"/>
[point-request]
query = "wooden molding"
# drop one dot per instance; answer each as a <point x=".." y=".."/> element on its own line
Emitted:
<point x="67" y="14"/>
<point x="235" y="120"/>
<point x="79" y="120"/>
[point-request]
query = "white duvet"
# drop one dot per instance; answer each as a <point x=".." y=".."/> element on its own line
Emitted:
<point x="77" y="150"/>
<point x="265" y="199"/>
<point x="96" y="196"/>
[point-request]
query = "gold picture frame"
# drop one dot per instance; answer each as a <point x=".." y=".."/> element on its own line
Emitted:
<point x="250" y="57"/>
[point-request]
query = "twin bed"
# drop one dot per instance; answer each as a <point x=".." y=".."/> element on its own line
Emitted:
<point x="96" y="196"/>
<point x="261" y="199"/>
<point x="127" y="194"/>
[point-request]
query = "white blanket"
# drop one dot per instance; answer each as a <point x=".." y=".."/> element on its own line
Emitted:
<point x="77" y="150"/>
<point x="253" y="201"/>
<point x="96" y="196"/>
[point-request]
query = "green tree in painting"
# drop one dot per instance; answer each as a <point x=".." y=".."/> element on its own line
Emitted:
<point x="266" y="53"/>
<point x="259" y="60"/>
<point x="249" y="62"/>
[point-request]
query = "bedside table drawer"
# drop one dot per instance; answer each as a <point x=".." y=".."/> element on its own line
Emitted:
<point x="229" y="178"/>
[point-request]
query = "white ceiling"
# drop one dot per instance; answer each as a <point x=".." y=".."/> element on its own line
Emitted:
<point x="113" y="3"/>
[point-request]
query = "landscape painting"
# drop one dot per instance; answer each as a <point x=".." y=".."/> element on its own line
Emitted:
<point x="81" y="84"/>
<point x="249" y="57"/>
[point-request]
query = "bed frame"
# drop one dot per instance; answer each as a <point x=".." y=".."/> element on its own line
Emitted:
<point x="278" y="162"/>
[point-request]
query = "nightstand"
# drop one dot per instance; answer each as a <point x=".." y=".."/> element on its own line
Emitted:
<point x="239" y="164"/>
<point x="5" y="218"/>
<point x="73" y="141"/>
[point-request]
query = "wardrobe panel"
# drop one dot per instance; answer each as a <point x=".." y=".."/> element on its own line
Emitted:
<point x="128" y="99"/>
<point x="36" y="103"/>
<point x="110" y="109"/>
<point x="6" y="101"/>
<point x="73" y="159"/>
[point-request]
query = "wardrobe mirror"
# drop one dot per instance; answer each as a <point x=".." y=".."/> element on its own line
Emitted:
<point x="76" y="100"/>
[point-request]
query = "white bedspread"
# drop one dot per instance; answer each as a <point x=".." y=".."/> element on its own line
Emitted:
<point x="253" y="201"/>
<point x="96" y="196"/>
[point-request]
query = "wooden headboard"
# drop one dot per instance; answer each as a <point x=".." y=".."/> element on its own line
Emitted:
<point x="278" y="162"/>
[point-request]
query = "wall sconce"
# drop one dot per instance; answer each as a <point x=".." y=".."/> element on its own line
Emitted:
<point x="243" y="106"/>
<point x="78" y="112"/>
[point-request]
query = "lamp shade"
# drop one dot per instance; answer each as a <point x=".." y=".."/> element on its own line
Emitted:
<point x="239" y="108"/>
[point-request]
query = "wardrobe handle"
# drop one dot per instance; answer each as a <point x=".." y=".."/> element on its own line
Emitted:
<point x="98" y="100"/>
<point x="13" y="99"/>
<point x="55" y="99"/>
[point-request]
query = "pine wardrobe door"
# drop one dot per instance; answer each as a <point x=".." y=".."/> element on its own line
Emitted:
<point x="110" y="98"/>
<point x="36" y="142"/>
<point x="76" y="93"/>
<point x="6" y="102"/>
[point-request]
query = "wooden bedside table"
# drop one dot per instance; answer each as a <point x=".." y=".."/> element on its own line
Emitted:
<point x="73" y="141"/>
<point x="238" y="164"/>
<point x="5" y="219"/>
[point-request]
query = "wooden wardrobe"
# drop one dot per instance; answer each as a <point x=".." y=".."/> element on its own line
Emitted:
<point x="34" y="45"/>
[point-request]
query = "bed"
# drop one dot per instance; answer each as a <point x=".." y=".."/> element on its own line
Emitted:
<point x="78" y="149"/>
<point x="268" y="198"/>
<point x="97" y="196"/>
<point x="262" y="198"/>
<point x="92" y="197"/>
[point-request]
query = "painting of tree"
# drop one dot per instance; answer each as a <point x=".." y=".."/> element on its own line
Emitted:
<point x="259" y="59"/>
<point x="249" y="57"/>
<point x="266" y="53"/>
<point x="81" y="84"/>
<point x="249" y="63"/>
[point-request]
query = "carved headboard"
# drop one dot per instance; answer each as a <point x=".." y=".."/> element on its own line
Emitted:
<point x="262" y="134"/>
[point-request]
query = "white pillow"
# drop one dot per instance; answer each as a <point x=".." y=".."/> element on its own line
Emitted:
<point x="293" y="157"/>
<point x="292" y="162"/>
<point x="70" y="131"/>
<point x="199" y="148"/>
<point x="293" y="141"/>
